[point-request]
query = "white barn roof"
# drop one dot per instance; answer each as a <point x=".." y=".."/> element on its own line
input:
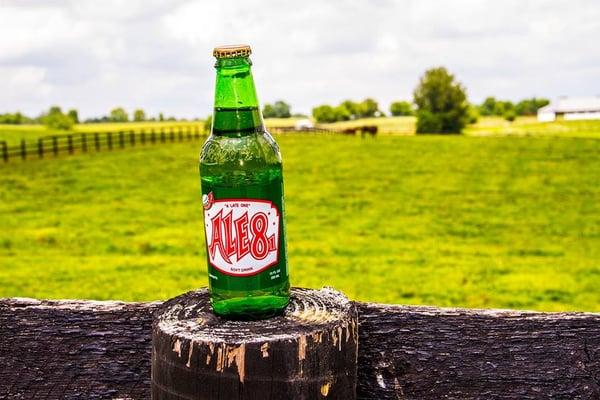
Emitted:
<point x="573" y="104"/>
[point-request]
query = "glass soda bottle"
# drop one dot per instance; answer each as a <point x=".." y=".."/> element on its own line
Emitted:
<point x="242" y="196"/>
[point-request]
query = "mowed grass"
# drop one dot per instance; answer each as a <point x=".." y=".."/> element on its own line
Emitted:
<point x="449" y="221"/>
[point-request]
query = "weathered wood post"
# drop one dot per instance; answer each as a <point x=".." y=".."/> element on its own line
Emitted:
<point x="4" y="150"/>
<point x="310" y="352"/>
<point x="23" y="149"/>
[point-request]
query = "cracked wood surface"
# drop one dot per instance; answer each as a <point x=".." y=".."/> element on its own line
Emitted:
<point x="102" y="350"/>
<point x="308" y="352"/>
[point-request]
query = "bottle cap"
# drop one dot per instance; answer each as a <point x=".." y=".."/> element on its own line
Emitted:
<point x="232" y="50"/>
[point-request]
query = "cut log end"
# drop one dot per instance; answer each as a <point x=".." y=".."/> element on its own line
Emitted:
<point x="309" y="352"/>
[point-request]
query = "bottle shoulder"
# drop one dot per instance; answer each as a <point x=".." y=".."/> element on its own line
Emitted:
<point x="253" y="150"/>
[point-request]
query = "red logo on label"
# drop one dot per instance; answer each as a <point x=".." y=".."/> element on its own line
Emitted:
<point x="242" y="235"/>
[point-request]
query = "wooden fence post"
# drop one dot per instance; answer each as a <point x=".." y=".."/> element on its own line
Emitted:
<point x="189" y="133"/>
<point x="97" y="141"/>
<point x="197" y="132"/>
<point x="162" y="135"/>
<point x="109" y="140"/>
<point x="171" y="134"/>
<point x="70" y="143"/>
<point x="132" y="138"/>
<point x="4" y="151"/>
<point x="180" y="134"/>
<point x="41" y="147"/>
<point x="121" y="139"/>
<point x="143" y="133"/>
<point x="310" y="352"/>
<point x="55" y="145"/>
<point x="84" y="142"/>
<point x="23" y="149"/>
<point x="153" y="136"/>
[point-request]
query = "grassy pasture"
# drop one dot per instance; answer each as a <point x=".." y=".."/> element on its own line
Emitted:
<point x="452" y="221"/>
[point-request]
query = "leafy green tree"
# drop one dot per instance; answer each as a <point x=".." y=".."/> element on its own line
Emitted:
<point x="56" y="119"/>
<point x="161" y="116"/>
<point x="351" y="107"/>
<point x="139" y="115"/>
<point x="74" y="115"/>
<point x="473" y="114"/>
<point x="510" y="115"/>
<point x="368" y="108"/>
<point x="441" y="103"/>
<point x="14" y="119"/>
<point x="341" y="113"/>
<point x="268" y="111"/>
<point x="488" y="106"/>
<point x="530" y="106"/>
<point x="324" y="113"/>
<point x="401" y="108"/>
<point x="280" y="109"/>
<point x="118" y="115"/>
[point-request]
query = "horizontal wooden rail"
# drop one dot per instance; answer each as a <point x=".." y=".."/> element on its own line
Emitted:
<point x="53" y="145"/>
<point x="101" y="350"/>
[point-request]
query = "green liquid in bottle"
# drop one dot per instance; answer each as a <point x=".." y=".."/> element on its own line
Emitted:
<point x="242" y="193"/>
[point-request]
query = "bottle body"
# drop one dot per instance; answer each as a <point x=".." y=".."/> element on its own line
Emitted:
<point x="243" y="203"/>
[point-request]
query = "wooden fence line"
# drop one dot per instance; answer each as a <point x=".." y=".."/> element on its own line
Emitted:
<point x="76" y="349"/>
<point x="96" y="141"/>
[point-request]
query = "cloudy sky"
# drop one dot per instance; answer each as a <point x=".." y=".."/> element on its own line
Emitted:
<point x="94" y="55"/>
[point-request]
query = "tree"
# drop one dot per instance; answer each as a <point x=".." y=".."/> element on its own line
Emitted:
<point x="14" y="119"/>
<point x="56" y="119"/>
<point x="161" y="116"/>
<point x="441" y="103"/>
<point x="401" y="108"/>
<point x="510" y="115"/>
<point x="341" y="113"/>
<point x="139" y="115"/>
<point x="530" y="106"/>
<point x="278" y="110"/>
<point x="74" y="115"/>
<point x="488" y="106"/>
<point x="118" y="115"/>
<point x="473" y="114"/>
<point x="368" y="108"/>
<point x="324" y="113"/>
<point x="351" y="107"/>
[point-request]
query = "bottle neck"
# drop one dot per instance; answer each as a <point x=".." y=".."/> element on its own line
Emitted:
<point x="236" y="111"/>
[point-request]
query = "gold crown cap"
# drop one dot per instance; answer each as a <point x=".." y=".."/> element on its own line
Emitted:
<point x="232" y="50"/>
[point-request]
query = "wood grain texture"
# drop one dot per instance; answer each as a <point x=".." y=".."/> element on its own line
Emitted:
<point x="432" y="353"/>
<point x="309" y="352"/>
<point x="102" y="350"/>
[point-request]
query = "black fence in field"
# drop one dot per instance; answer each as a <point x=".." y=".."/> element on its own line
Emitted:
<point x="53" y="145"/>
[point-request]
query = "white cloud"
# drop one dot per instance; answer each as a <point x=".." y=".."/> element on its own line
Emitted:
<point x="157" y="54"/>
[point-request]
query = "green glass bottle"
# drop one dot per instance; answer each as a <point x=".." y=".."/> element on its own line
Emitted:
<point x="242" y="196"/>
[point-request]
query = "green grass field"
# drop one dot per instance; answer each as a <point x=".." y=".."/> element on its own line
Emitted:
<point x="451" y="221"/>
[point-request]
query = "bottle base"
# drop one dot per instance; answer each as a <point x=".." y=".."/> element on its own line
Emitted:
<point x="250" y="308"/>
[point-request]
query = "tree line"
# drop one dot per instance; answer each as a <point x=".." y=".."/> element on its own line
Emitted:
<point x="439" y="102"/>
<point x="56" y="118"/>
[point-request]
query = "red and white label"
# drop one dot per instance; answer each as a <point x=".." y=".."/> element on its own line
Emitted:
<point x="242" y="235"/>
